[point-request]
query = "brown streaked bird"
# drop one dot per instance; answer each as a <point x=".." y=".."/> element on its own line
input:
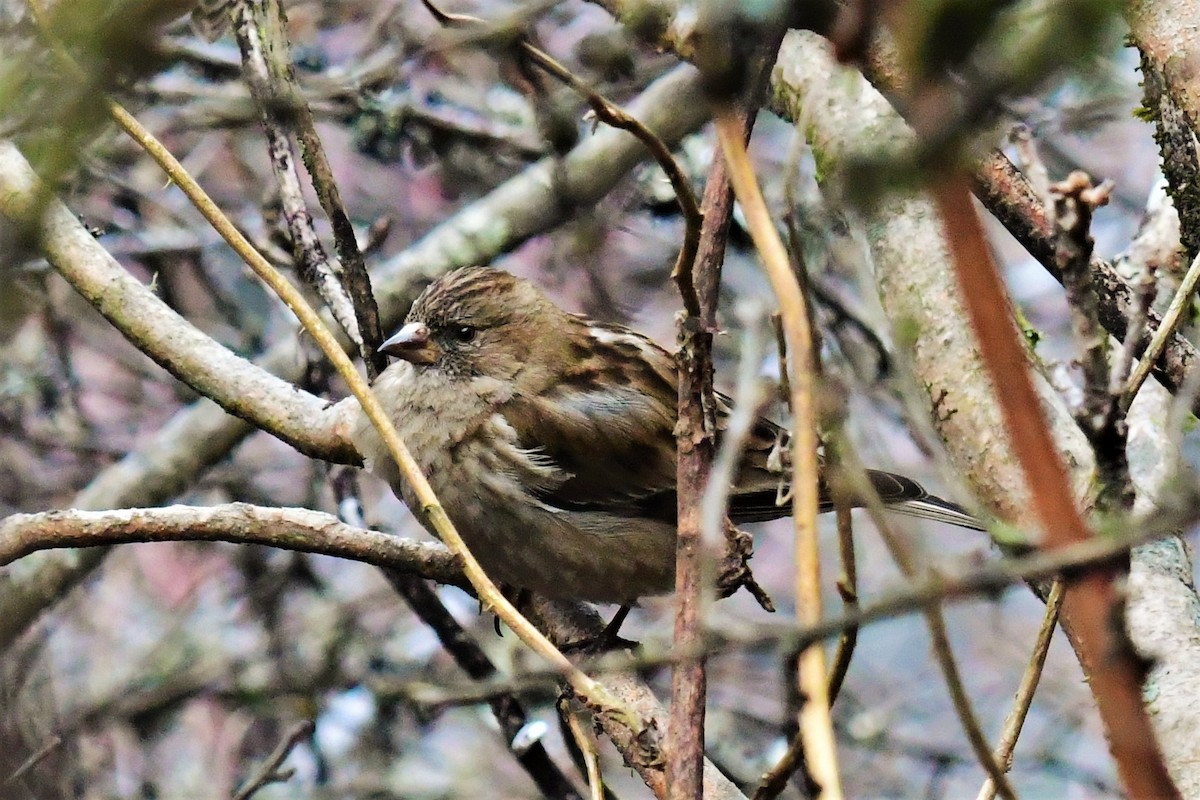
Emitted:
<point x="549" y="438"/>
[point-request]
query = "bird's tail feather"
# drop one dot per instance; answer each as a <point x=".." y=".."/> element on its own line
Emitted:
<point x="939" y="510"/>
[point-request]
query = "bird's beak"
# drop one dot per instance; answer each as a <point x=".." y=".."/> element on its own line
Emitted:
<point x="411" y="343"/>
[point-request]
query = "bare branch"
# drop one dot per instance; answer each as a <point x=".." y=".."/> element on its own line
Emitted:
<point x="1024" y="698"/>
<point x="269" y="771"/>
<point x="292" y="528"/>
<point x="344" y="286"/>
<point x="242" y="389"/>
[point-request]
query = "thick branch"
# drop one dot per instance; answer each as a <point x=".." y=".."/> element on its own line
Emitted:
<point x="291" y="528"/>
<point x="238" y="386"/>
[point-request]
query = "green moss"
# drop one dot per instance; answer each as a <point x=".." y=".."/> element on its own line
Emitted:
<point x="1033" y="336"/>
<point x="908" y="332"/>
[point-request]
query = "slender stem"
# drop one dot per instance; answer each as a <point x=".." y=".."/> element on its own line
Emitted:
<point x="1166" y="329"/>
<point x="587" y="748"/>
<point x="1029" y="682"/>
<point x="816" y="723"/>
<point x="847" y="586"/>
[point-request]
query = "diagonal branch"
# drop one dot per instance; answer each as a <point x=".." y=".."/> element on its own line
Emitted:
<point x="815" y="721"/>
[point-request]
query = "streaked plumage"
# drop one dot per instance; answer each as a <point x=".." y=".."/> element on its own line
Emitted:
<point x="549" y="437"/>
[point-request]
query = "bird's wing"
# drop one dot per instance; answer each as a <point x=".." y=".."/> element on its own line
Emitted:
<point x="614" y="437"/>
<point x="613" y="434"/>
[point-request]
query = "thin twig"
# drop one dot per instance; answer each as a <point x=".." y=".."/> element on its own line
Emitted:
<point x="963" y="708"/>
<point x="815" y="721"/>
<point x="934" y="619"/>
<point x="587" y="749"/>
<point x="285" y="96"/>
<point x="268" y="772"/>
<point x="1024" y="697"/>
<point x="775" y="780"/>
<point x="261" y="64"/>
<point x="847" y="586"/>
<point x="1181" y="302"/>
<point x="695" y="435"/>
<point x="617" y="117"/>
<point x="34" y="759"/>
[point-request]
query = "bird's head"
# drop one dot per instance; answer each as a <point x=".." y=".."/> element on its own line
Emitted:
<point x="478" y="321"/>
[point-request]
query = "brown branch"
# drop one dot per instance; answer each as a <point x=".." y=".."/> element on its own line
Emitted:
<point x="855" y="474"/>
<point x="1091" y="604"/>
<point x="776" y="779"/>
<point x="269" y="772"/>
<point x="695" y="439"/>
<point x="585" y="743"/>
<point x="509" y="712"/>
<point x="1024" y="697"/>
<point x="266" y="59"/>
<point x="697" y="275"/>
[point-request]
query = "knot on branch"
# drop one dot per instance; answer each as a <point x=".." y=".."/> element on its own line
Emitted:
<point x="733" y="571"/>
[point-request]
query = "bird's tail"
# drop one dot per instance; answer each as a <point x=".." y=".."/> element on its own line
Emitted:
<point x="939" y="510"/>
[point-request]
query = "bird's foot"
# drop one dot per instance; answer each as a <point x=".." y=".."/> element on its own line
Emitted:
<point x="607" y="639"/>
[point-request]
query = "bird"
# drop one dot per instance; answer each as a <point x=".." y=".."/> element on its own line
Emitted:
<point x="549" y="439"/>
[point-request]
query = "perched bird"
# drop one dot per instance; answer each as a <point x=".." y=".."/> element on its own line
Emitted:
<point x="549" y="439"/>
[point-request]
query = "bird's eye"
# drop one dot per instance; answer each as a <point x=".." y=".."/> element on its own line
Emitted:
<point x="464" y="333"/>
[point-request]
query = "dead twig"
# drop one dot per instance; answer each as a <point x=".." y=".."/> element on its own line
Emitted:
<point x="815" y="721"/>
<point x="1024" y="697"/>
<point x="269" y="772"/>
<point x="34" y="759"/>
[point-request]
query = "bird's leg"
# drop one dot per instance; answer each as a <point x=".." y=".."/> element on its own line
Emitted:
<point x="607" y="639"/>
